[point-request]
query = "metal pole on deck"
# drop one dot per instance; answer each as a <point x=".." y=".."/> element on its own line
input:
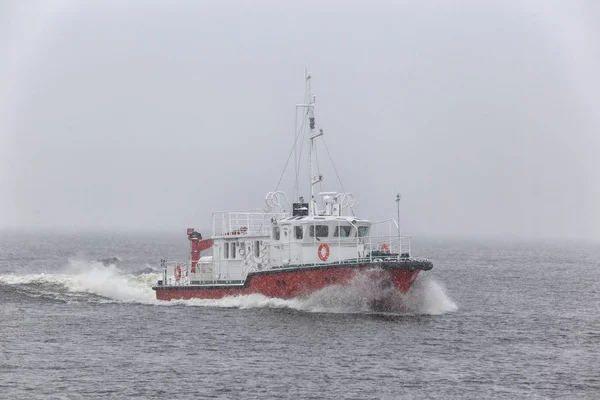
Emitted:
<point x="398" y="197"/>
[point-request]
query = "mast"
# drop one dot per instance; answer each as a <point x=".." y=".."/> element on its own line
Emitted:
<point x="309" y="104"/>
<point x="313" y="180"/>
<point x="311" y="117"/>
<point x="398" y="197"/>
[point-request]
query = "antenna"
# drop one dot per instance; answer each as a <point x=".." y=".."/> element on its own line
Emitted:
<point x="309" y="104"/>
<point x="398" y="197"/>
<point x="311" y="119"/>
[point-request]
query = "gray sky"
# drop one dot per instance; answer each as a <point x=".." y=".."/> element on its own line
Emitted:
<point x="152" y="115"/>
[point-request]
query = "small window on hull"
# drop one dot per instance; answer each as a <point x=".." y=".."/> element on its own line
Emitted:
<point x="233" y="250"/>
<point x="276" y="233"/>
<point x="257" y="248"/>
<point x="226" y="250"/>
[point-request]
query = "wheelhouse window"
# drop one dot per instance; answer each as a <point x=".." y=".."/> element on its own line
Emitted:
<point x="226" y="250"/>
<point x="321" y="230"/>
<point x="298" y="232"/>
<point x="363" y="231"/>
<point x="342" y="231"/>
<point x="276" y="233"/>
<point x="257" y="248"/>
<point x="232" y="249"/>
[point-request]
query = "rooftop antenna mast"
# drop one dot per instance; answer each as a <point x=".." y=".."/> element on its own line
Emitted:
<point x="398" y="198"/>
<point x="310" y="106"/>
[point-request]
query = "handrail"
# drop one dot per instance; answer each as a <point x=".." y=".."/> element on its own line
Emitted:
<point x="233" y="223"/>
<point x="373" y="247"/>
<point x="366" y="250"/>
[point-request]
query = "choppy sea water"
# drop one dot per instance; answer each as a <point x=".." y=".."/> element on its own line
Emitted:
<point x="492" y="320"/>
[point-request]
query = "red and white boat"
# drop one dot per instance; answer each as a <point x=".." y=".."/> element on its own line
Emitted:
<point x="292" y="249"/>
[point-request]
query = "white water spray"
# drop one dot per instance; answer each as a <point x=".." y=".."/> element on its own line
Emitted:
<point x="80" y="277"/>
<point x="426" y="297"/>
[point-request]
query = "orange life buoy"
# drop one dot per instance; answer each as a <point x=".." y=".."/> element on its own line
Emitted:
<point x="322" y="256"/>
<point x="177" y="272"/>
<point x="385" y="248"/>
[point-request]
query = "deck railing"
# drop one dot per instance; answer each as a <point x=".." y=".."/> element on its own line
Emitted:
<point x="233" y="223"/>
<point x="368" y="249"/>
<point x="169" y="269"/>
<point x="383" y="245"/>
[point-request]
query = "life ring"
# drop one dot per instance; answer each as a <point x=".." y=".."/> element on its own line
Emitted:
<point x="177" y="272"/>
<point x="385" y="248"/>
<point x="322" y="256"/>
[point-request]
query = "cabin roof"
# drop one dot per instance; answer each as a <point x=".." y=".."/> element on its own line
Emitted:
<point x="309" y="219"/>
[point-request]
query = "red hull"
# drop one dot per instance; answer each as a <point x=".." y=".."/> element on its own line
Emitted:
<point x="293" y="283"/>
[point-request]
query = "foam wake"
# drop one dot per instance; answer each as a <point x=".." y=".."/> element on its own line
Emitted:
<point x="80" y="278"/>
<point x="426" y="297"/>
<point x="96" y="282"/>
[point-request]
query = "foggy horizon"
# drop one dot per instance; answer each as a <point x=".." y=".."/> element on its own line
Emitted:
<point x="141" y="117"/>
